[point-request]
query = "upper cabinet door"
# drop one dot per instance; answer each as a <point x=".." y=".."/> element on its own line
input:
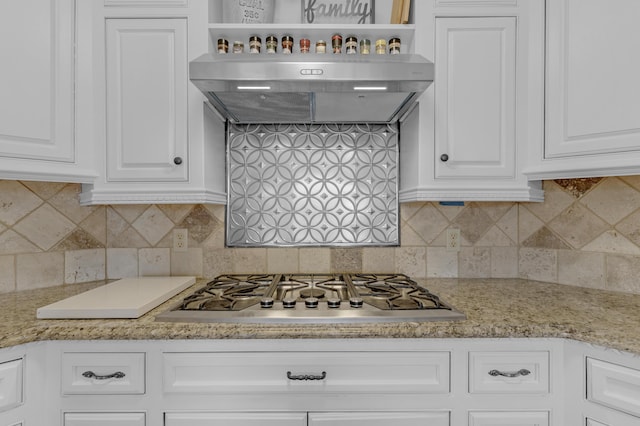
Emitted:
<point x="37" y="79"/>
<point x="475" y="97"/>
<point x="593" y="89"/>
<point x="147" y="112"/>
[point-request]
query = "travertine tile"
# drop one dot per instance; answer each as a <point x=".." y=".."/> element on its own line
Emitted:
<point x="13" y="243"/>
<point x="578" y="187"/>
<point x="612" y="242"/>
<point x="555" y="201"/>
<point x="39" y="270"/>
<point x="441" y="263"/>
<point x="407" y="210"/>
<point x="409" y="237"/>
<point x="508" y="224"/>
<point x="630" y="227"/>
<point x="153" y="225"/>
<point x="120" y="234"/>
<point x="216" y="262"/>
<point x="378" y="260"/>
<point x="122" y="263"/>
<point x="81" y="266"/>
<point x="581" y="269"/>
<point x="474" y="262"/>
<point x="45" y="227"/>
<point x="622" y="273"/>
<point x="130" y="212"/>
<point x="216" y="210"/>
<point x="154" y="262"/>
<point x="201" y="224"/>
<point x="315" y="259"/>
<point x="346" y="259"/>
<point x="538" y="264"/>
<point x="612" y="200"/>
<point x="249" y="260"/>
<point x="577" y="226"/>
<point x="282" y="260"/>
<point x="176" y="212"/>
<point x="450" y="212"/>
<point x="473" y="223"/>
<point x="504" y="262"/>
<point x="78" y="240"/>
<point x="495" y="238"/>
<point x="96" y="224"/>
<point x="545" y="238"/>
<point x="8" y="275"/>
<point x="495" y="210"/>
<point x="528" y="223"/>
<point x="428" y="223"/>
<point x="411" y="261"/>
<point x="67" y="201"/>
<point x="16" y="201"/>
<point x="45" y="190"/>
<point x="187" y="263"/>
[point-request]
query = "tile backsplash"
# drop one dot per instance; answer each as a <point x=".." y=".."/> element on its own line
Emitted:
<point x="587" y="233"/>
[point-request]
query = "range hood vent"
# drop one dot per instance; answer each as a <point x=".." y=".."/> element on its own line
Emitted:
<point x="311" y="88"/>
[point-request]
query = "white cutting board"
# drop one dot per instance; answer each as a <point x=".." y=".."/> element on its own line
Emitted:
<point x="125" y="298"/>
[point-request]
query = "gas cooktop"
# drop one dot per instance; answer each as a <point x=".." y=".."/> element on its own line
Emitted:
<point x="311" y="298"/>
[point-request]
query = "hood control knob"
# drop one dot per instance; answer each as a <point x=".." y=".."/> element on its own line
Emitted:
<point x="177" y="161"/>
<point x="444" y="158"/>
<point x="289" y="303"/>
<point x="311" y="302"/>
<point x="356" y="302"/>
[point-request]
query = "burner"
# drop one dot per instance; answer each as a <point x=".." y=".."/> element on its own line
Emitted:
<point x="312" y="292"/>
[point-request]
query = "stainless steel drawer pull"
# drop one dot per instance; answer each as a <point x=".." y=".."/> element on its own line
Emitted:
<point x="306" y="376"/>
<point x="92" y="375"/>
<point x="523" y="372"/>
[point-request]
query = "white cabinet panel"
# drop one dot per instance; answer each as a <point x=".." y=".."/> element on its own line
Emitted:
<point x="614" y="386"/>
<point x="509" y="372"/>
<point x="357" y="372"/>
<point x="475" y="95"/>
<point x="235" y="419"/>
<point x="379" y="419"/>
<point x="147" y="105"/>
<point x="103" y="373"/>
<point x="11" y="384"/>
<point x="104" y="419"/>
<point x="593" y="90"/>
<point x="509" y="418"/>
<point x="37" y="79"/>
<point x="591" y="422"/>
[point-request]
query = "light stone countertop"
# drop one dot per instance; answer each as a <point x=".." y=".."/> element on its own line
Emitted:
<point x="495" y="308"/>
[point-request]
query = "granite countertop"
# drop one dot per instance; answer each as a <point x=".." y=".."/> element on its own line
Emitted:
<point x="494" y="308"/>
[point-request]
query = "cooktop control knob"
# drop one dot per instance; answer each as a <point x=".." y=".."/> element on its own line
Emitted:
<point x="356" y="302"/>
<point x="311" y="302"/>
<point x="266" y="302"/>
<point x="333" y="302"/>
<point x="289" y="303"/>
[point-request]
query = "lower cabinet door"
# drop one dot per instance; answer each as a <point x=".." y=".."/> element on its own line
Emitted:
<point x="104" y="419"/>
<point x="379" y="419"/>
<point x="509" y="418"/>
<point x="235" y="419"/>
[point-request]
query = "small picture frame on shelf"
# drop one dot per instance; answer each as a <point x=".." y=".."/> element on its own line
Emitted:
<point x="338" y="12"/>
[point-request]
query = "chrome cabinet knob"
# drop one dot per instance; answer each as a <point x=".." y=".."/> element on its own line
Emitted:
<point x="177" y="161"/>
<point x="444" y="158"/>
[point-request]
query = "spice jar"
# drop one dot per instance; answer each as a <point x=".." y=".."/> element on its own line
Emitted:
<point x="381" y="46"/>
<point x="351" y="45"/>
<point x="321" y="46"/>
<point x="394" y="46"/>
<point x="255" y="44"/>
<point x="305" y="45"/>
<point x="272" y="44"/>
<point x="336" y="43"/>
<point x="238" y="47"/>
<point x="223" y="45"/>
<point x="287" y="44"/>
<point x="365" y="46"/>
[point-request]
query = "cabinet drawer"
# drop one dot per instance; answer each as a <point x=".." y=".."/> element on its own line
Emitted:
<point x="103" y="373"/>
<point x="509" y="372"/>
<point x="613" y="386"/>
<point x="300" y="372"/>
<point x="440" y="418"/>
<point x="235" y="419"/>
<point x="10" y="384"/>
<point x="509" y="418"/>
<point x="104" y="419"/>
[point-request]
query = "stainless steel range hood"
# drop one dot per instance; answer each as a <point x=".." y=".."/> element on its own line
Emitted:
<point x="311" y="88"/>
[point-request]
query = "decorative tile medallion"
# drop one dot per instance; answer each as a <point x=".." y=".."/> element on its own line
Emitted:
<point x="313" y="185"/>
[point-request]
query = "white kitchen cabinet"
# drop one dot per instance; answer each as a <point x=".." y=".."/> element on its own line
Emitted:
<point x="88" y="373"/>
<point x="235" y="419"/>
<point x="509" y="418"/>
<point x="104" y="419"/>
<point x="592" y="90"/>
<point x="42" y="134"/>
<point x="379" y="419"/>
<point x="509" y="372"/>
<point x="468" y="137"/>
<point x="11" y="384"/>
<point x="159" y="142"/>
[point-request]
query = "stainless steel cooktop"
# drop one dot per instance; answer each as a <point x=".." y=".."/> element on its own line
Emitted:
<point x="311" y="298"/>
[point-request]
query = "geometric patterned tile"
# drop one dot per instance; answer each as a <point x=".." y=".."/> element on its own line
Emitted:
<point x="428" y="223"/>
<point x="578" y="226"/>
<point x="45" y="227"/>
<point x="577" y="187"/>
<point x="612" y="200"/>
<point x="200" y="224"/>
<point x="555" y="201"/>
<point x="67" y="201"/>
<point x="153" y="224"/>
<point x="473" y="222"/>
<point x="544" y="238"/>
<point x="16" y="201"/>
